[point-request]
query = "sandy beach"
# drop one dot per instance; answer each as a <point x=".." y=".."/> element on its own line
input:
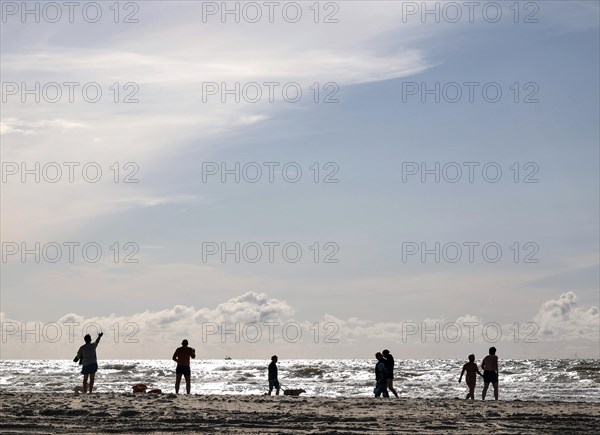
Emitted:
<point x="46" y="413"/>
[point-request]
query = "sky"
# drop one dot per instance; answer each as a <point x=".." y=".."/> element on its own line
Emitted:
<point x="316" y="180"/>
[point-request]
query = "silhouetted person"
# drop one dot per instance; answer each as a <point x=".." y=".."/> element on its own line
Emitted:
<point x="273" y="381"/>
<point x="86" y="355"/>
<point x="490" y="373"/>
<point x="380" y="376"/>
<point x="389" y="365"/>
<point x="472" y="371"/>
<point x="182" y="357"/>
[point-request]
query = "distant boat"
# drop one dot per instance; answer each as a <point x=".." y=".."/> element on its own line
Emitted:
<point x="227" y="358"/>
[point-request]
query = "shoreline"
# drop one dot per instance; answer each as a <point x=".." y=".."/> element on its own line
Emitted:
<point x="490" y="396"/>
<point x="98" y="413"/>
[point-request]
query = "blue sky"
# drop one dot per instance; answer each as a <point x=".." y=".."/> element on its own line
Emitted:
<point x="370" y="54"/>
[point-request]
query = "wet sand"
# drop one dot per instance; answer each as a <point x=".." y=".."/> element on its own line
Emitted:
<point x="46" y="413"/>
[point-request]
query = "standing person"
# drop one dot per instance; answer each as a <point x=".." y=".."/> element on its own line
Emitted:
<point x="273" y="381"/>
<point x="389" y="365"/>
<point x="86" y="355"/>
<point x="471" y="379"/>
<point x="490" y="373"/>
<point x="380" y="376"/>
<point x="182" y="358"/>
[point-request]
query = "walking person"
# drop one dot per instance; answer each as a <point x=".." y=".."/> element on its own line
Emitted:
<point x="389" y="365"/>
<point x="86" y="355"/>
<point x="490" y="373"/>
<point x="273" y="378"/>
<point x="380" y="376"/>
<point x="472" y="371"/>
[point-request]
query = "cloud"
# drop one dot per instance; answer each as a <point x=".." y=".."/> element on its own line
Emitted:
<point x="147" y="333"/>
<point x="169" y="63"/>
<point x="250" y="307"/>
<point x="156" y="200"/>
<point x="253" y="324"/>
<point x="564" y="319"/>
<point x="16" y="125"/>
<point x="174" y="71"/>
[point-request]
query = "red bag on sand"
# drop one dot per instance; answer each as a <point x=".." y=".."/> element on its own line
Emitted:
<point x="139" y="388"/>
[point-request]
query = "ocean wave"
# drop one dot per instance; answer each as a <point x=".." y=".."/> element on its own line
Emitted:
<point x="584" y="368"/>
<point x="308" y="372"/>
<point x="122" y="367"/>
<point x="572" y="380"/>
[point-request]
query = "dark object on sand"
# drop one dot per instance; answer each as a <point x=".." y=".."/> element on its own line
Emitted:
<point x="293" y="392"/>
<point x="139" y="388"/>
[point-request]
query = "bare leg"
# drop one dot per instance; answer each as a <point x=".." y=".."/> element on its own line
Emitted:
<point x="177" y="382"/>
<point x="85" y="383"/>
<point x="188" y="384"/>
<point x="484" y="392"/>
<point x="495" y="384"/>
<point x="471" y="393"/>
<point x="92" y="377"/>
<point x="277" y="392"/>
<point x="390" y="383"/>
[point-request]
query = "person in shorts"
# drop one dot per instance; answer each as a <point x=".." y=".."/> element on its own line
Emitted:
<point x="490" y="373"/>
<point x="182" y="357"/>
<point x="86" y="356"/>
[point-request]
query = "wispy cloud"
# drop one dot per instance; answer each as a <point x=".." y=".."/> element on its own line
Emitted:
<point x="15" y="125"/>
<point x="169" y="65"/>
<point x="156" y="200"/>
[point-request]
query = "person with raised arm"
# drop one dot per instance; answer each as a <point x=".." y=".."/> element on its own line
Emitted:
<point x="86" y="356"/>
<point x="182" y="357"/>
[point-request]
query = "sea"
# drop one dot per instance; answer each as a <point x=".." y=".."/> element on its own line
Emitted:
<point x="532" y="379"/>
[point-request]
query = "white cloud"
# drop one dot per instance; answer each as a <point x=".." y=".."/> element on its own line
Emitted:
<point x="233" y="325"/>
<point x="147" y="333"/>
<point x="564" y="319"/>
<point x="250" y="307"/>
<point x="15" y="125"/>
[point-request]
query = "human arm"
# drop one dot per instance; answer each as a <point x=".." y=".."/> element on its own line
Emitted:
<point x="99" y="337"/>
<point x="381" y="369"/>
<point x="461" y="375"/>
<point x="176" y="355"/>
<point x="78" y="356"/>
<point x="193" y="353"/>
